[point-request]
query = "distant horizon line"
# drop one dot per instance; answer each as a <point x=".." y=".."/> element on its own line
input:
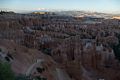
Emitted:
<point x="53" y="10"/>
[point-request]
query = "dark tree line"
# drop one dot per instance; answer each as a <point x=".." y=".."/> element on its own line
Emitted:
<point x="116" y="48"/>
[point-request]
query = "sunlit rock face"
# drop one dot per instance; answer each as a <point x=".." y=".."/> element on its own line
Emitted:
<point x="116" y="17"/>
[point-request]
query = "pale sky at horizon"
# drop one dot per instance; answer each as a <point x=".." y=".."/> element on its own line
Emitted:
<point x="107" y="6"/>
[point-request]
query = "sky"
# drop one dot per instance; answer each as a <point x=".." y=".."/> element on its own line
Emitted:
<point x="105" y="6"/>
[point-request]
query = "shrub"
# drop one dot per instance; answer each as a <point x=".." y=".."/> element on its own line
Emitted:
<point x="6" y="72"/>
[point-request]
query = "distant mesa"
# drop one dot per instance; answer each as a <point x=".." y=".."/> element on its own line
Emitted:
<point x="40" y="13"/>
<point x="7" y="12"/>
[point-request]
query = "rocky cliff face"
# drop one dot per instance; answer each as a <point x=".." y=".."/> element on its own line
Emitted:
<point x="68" y="52"/>
<point x="87" y="63"/>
